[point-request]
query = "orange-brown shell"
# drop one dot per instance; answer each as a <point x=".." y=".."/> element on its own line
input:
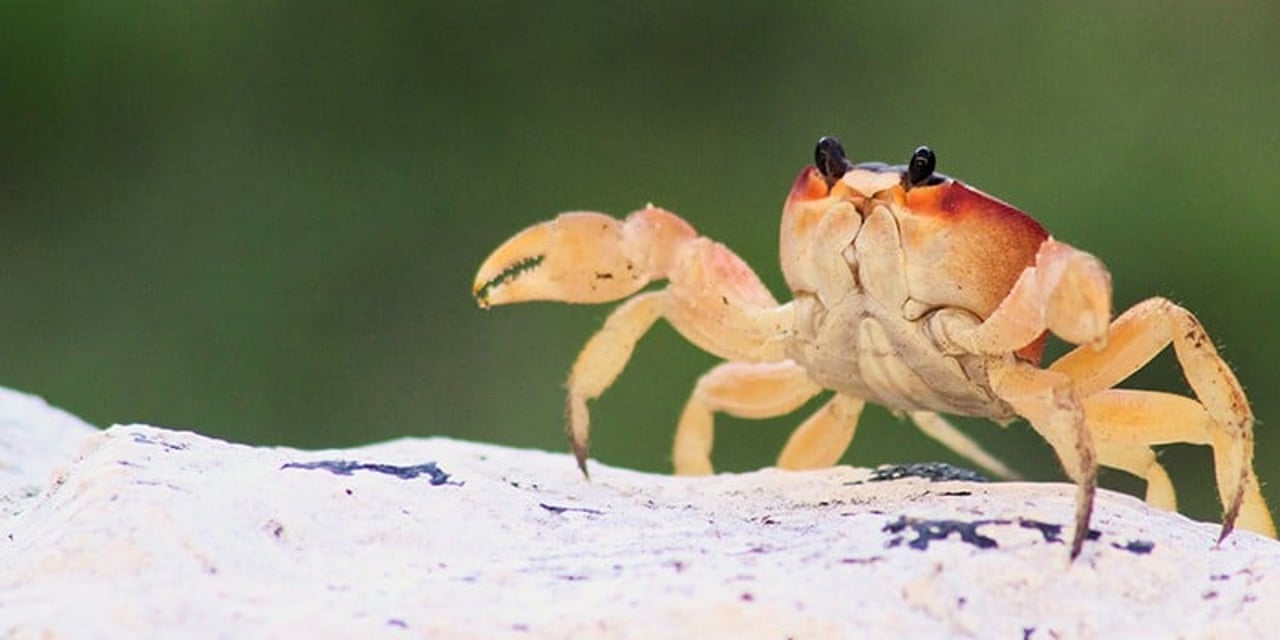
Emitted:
<point x="965" y="248"/>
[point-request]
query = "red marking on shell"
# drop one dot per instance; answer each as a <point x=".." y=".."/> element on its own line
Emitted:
<point x="809" y="185"/>
<point x="966" y="248"/>
<point x="953" y="198"/>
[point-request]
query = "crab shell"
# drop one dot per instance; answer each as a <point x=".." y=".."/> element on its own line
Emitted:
<point x="960" y="247"/>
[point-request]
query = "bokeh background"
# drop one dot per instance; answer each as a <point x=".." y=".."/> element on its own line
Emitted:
<point x="261" y="220"/>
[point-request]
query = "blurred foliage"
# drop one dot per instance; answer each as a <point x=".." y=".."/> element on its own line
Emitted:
<point x="261" y="220"/>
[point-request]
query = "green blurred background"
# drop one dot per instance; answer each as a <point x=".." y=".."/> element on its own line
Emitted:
<point x="261" y="220"/>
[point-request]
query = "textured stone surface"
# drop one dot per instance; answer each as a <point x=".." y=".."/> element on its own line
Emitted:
<point x="143" y="531"/>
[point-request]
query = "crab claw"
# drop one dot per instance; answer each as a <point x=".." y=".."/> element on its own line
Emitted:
<point x="1078" y="286"/>
<point x="581" y="257"/>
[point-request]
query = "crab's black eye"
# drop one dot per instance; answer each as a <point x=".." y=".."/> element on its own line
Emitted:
<point x="923" y="162"/>
<point x="830" y="160"/>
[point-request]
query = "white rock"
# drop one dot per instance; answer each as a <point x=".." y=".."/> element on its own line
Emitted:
<point x="34" y="437"/>
<point x="154" y="533"/>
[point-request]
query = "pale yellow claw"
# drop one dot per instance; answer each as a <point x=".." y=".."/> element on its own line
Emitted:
<point x="577" y="257"/>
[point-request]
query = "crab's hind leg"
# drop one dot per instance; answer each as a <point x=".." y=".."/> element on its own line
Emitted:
<point x="1135" y="338"/>
<point x="763" y="390"/>
<point x="1126" y="422"/>
<point x="713" y="298"/>
<point x="824" y="436"/>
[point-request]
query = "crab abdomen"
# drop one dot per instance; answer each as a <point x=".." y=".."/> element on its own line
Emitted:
<point x="860" y="348"/>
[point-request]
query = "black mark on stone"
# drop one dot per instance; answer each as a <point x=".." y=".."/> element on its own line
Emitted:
<point x="436" y="475"/>
<point x="870" y="560"/>
<point x="933" y="471"/>
<point x="559" y="510"/>
<point x="1051" y="532"/>
<point x="142" y="438"/>
<point x="274" y="527"/>
<point x="396" y="622"/>
<point x="930" y="530"/>
<point x="1140" y="547"/>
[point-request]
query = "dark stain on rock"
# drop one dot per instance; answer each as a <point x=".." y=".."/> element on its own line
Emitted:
<point x="933" y="471"/>
<point x="930" y="530"/>
<point x="556" y="509"/>
<point x="1051" y="532"/>
<point x="435" y="474"/>
<point x="142" y="438"/>
<point x="1140" y="547"/>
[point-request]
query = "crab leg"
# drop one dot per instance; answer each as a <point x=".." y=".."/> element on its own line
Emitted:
<point x="602" y="360"/>
<point x="713" y="298"/>
<point x="1067" y="292"/>
<point x="1048" y="401"/>
<point x="1136" y="337"/>
<point x="743" y="389"/>
<point x="1124" y="424"/>
<point x="823" y="437"/>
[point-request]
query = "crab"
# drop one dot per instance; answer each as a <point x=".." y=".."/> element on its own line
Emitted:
<point x="911" y="290"/>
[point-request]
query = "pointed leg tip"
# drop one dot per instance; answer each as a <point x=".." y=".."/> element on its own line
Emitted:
<point x="580" y="454"/>
<point x="1229" y="518"/>
<point x="1077" y="542"/>
<point x="1084" y="513"/>
<point x="1227" y="528"/>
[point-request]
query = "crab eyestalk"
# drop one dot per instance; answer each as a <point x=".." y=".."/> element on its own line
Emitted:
<point x="830" y="159"/>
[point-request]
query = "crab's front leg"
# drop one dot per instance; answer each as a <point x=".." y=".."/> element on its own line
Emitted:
<point x="713" y="298"/>
<point x="1048" y="401"/>
<point x="1068" y="292"/>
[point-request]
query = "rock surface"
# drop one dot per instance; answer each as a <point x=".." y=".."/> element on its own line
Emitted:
<point x="140" y="531"/>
